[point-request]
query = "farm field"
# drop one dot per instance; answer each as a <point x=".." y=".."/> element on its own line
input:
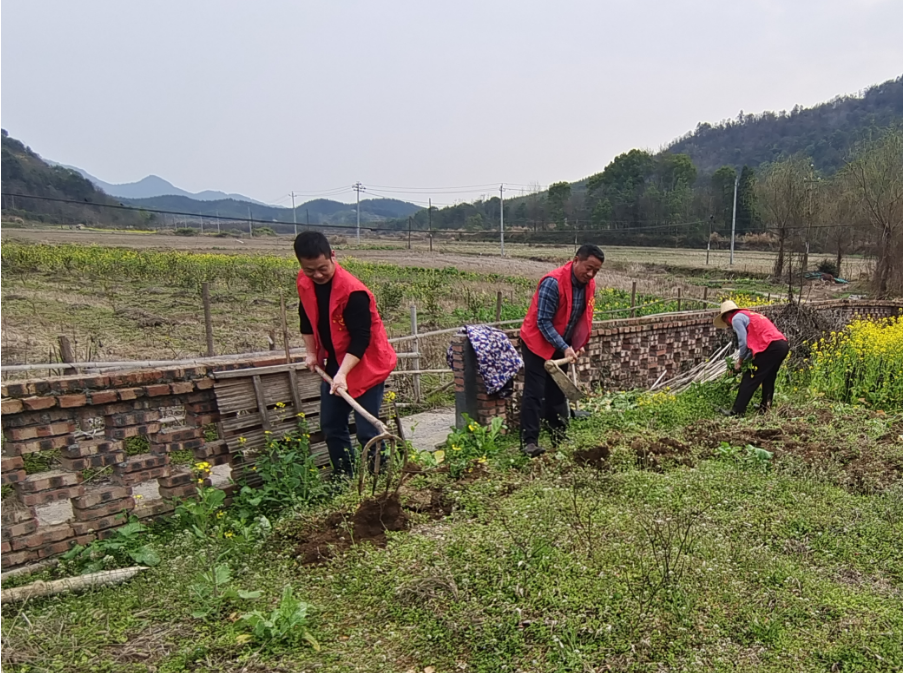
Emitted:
<point x="659" y="537"/>
<point x="527" y="260"/>
<point x="146" y="304"/>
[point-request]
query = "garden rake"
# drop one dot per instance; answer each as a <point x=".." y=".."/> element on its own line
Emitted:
<point x="393" y="442"/>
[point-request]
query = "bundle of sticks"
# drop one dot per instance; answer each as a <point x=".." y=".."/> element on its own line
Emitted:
<point x="709" y="370"/>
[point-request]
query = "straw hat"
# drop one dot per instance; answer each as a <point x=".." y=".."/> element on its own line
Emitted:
<point x="726" y="307"/>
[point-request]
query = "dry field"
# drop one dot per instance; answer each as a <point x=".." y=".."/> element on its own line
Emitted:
<point x="155" y="319"/>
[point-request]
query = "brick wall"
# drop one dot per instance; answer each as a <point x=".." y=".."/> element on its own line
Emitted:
<point x="86" y="427"/>
<point x="631" y="353"/>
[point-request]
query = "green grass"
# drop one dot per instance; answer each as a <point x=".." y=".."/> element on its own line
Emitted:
<point x="703" y="560"/>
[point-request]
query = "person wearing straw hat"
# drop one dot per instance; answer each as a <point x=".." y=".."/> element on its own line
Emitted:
<point x="760" y="341"/>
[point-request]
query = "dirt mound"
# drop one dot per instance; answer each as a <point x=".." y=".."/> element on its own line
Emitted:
<point x="432" y="501"/>
<point x="655" y="453"/>
<point x="596" y="457"/>
<point x="374" y="516"/>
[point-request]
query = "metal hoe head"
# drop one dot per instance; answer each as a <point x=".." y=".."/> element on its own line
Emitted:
<point x="568" y="387"/>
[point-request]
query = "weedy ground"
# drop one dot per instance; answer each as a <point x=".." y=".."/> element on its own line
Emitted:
<point x="659" y="537"/>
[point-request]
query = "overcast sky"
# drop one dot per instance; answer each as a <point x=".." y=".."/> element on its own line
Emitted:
<point x="414" y="99"/>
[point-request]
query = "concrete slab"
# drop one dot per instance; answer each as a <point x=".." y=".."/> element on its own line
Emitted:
<point x="428" y="430"/>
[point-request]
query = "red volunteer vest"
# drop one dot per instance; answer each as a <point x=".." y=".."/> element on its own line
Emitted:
<point x="761" y="332"/>
<point x="529" y="331"/>
<point x="379" y="359"/>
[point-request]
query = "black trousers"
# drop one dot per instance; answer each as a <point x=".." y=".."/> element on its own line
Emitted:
<point x="334" y="413"/>
<point x="542" y="400"/>
<point x="767" y="363"/>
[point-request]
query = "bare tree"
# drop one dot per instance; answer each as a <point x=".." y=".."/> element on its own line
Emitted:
<point x="784" y="194"/>
<point x="876" y="172"/>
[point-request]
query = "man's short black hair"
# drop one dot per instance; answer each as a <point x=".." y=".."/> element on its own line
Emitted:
<point x="590" y="250"/>
<point x="311" y="244"/>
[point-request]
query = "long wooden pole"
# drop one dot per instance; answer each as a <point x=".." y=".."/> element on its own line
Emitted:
<point x="208" y="319"/>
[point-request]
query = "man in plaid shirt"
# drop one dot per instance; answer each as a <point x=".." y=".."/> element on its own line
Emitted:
<point x="557" y="326"/>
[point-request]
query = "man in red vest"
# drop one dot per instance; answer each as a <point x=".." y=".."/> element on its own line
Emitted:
<point x="345" y="336"/>
<point x="761" y="341"/>
<point x="558" y="325"/>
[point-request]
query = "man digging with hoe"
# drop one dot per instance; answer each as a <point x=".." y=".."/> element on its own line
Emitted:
<point x="341" y="327"/>
<point x="558" y="325"/>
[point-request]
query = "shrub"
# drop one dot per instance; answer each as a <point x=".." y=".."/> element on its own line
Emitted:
<point x="827" y="266"/>
<point x="185" y="231"/>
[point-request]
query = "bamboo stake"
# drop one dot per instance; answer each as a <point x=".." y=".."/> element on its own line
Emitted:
<point x="103" y="578"/>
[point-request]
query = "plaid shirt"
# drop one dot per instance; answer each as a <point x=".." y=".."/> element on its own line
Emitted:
<point x="547" y="305"/>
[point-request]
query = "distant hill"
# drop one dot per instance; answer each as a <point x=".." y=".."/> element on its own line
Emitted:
<point x="318" y="211"/>
<point x="153" y="185"/>
<point x="825" y="132"/>
<point x="26" y="174"/>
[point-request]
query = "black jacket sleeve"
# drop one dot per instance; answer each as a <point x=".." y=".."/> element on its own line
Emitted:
<point x="358" y="322"/>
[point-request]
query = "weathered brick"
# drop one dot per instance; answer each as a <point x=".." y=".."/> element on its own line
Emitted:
<point x="132" y="418"/>
<point x="44" y="444"/>
<point x="132" y="431"/>
<point x="36" y="418"/>
<point x="90" y="447"/>
<point x="43" y="481"/>
<point x="104" y="510"/>
<point x="20" y="529"/>
<point x="182" y="387"/>
<point x="204" y="384"/>
<point x="157" y="390"/>
<point x="62" y="547"/>
<point x="44" y="535"/>
<point x="12" y="463"/>
<point x="178" y="479"/>
<point x="37" y="431"/>
<point x="104" y="397"/>
<point x="98" y="496"/>
<point x="144" y="461"/>
<point x="38" y="403"/>
<point x="180" y="434"/>
<point x="154" y="508"/>
<point x="84" y="527"/>
<point x="13" y="514"/>
<point x="211" y="449"/>
<point x="131" y="478"/>
<point x="44" y="497"/>
<point x="88" y="462"/>
<point x="11" y="406"/>
<point x="18" y="558"/>
<point x="130" y="393"/>
<point x="72" y="400"/>
<point x="13" y="477"/>
<point x="180" y="492"/>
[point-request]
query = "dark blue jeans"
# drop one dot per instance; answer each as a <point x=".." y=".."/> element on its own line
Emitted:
<point x="334" y="413"/>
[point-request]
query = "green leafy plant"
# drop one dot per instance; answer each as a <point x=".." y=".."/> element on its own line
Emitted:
<point x="288" y="477"/>
<point x="124" y="547"/>
<point x="212" y="590"/>
<point x="286" y="624"/>
<point x="475" y="444"/>
<point x="750" y="456"/>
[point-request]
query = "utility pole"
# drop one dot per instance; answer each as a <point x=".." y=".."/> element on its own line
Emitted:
<point x="294" y="215"/>
<point x="708" y="243"/>
<point x="217" y="221"/>
<point x="430" y="214"/>
<point x="358" y="187"/>
<point x="410" y="221"/>
<point x="307" y="217"/>
<point x="502" y="217"/>
<point x="734" y="218"/>
<point x="250" y="226"/>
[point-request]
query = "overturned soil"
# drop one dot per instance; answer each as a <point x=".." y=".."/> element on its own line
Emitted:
<point x="374" y="516"/>
<point x="596" y="457"/>
<point x="867" y="464"/>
